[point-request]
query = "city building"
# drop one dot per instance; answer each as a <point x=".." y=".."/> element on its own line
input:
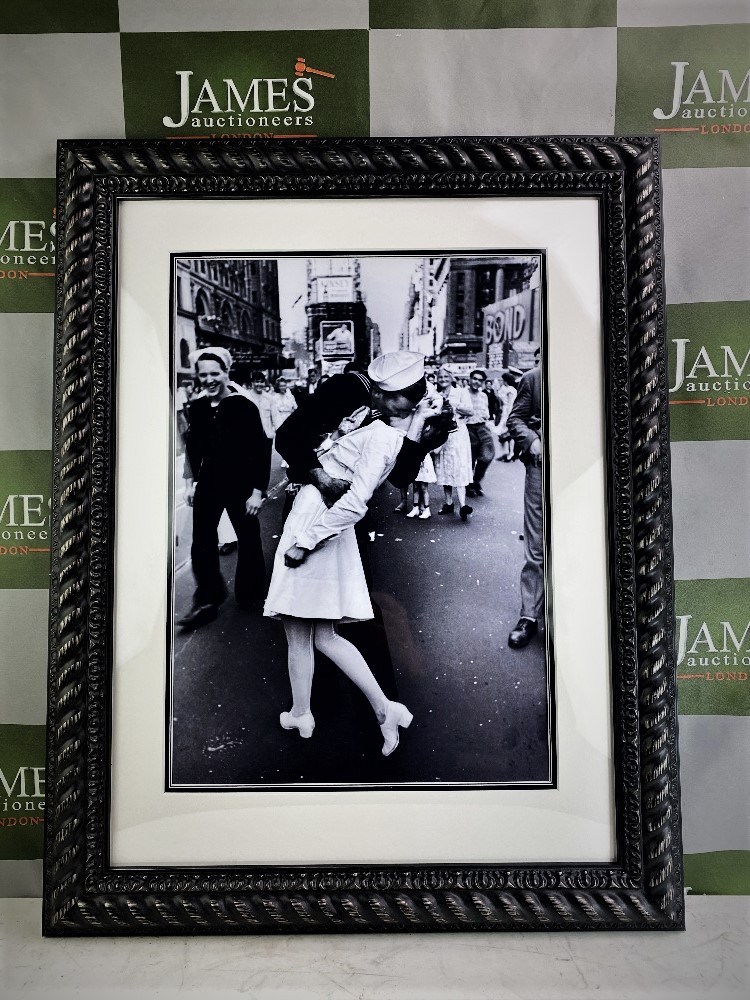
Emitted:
<point x="475" y="286"/>
<point x="425" y="307"/>
<point x="231" y="303"/>
<point x="338" y="327"/>
<point x="373" y="332"/>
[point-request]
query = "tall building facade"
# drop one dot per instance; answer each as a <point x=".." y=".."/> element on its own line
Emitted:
<point x="474" y="285"/>
<point x="231" y="303"/>
<point x="339" y="330"/>
<point x="453" y="302"/>
<point x="424" y="318"/>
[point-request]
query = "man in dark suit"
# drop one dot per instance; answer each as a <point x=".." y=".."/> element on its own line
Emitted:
<point x="525" y="427"/>
<point x="309" y="388"/>
<point x="229" y="468"/>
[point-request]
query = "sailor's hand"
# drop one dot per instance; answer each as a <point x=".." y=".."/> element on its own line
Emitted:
<point x="330" y="488"/>
<point x="295" y="556"/>
<point x="254" y="502"/>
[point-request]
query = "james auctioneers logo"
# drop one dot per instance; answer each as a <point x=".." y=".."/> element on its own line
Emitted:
<point x="22" y="791"/>
<point x="709" y="371"/>
<point x="696" y="102"/>
<point x="246" y="84"/>
<point x="713" y="646"/>
<point x="27" y="245"/>
<point x="265" y="104"/>
<point x="24" y="519"/>
<point x="691" y="86"/>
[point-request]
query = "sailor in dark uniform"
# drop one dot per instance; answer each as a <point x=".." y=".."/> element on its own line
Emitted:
<point x="228" y="468"/>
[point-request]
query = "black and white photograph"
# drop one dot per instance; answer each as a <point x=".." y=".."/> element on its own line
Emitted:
<point x="359" y="523"/>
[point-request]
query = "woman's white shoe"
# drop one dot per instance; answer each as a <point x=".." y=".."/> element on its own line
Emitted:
<point x="396" y="715"/>
<point x="304" y="723"/>
<point x="414" y="512"/>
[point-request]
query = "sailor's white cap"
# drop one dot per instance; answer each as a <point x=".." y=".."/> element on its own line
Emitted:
<point x="218" y="352"/>
<point x="397" y="370"/>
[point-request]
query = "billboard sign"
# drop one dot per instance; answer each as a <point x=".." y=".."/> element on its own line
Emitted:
<point x="337" y="338"/>
<point x="335" y="288"/>
<point x="507" y="322"/>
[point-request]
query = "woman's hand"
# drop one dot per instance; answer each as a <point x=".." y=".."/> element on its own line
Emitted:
<point x="425" y="408"/>
<point x="295" y="556"/>
<point x="354" y="420"/>
<point x="254" y="502"/>
<point x="189" y="492"/>
<point x="428" y="406"/>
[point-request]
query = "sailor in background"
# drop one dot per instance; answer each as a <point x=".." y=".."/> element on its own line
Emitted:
<point x="228" y="463"/>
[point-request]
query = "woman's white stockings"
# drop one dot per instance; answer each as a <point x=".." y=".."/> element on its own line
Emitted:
<point x="301" y="635"/>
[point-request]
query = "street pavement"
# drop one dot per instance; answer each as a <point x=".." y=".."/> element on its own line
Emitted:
<point x="448" y="592"/>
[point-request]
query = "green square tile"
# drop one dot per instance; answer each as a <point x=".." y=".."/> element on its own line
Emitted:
<point x="246" y="84"/>
<point x="472" y="14"/>
<point x="27" y="245"/>
<point x="712" y="645"/>
<point x="24" y="519"/>
<point x="47" y="16"/>
<point x="22" y="790"/>
<point x="689" y="85"/>
<point x="709" y="371"/>
<point x="718" y="873"/>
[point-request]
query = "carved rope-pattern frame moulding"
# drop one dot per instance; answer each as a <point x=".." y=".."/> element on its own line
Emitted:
<point x="643" y="890"/>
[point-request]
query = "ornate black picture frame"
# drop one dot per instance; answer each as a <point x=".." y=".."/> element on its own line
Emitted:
<point x="641" y="889"/>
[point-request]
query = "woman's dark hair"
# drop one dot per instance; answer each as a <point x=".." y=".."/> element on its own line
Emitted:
<point x="413" y="392"/>
<point x="208" y="356"/>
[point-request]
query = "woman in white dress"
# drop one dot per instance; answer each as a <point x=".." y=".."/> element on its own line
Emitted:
<point x="507" y="396"/>
<point x="453" y="465"/>
<point x="318" y="579"/>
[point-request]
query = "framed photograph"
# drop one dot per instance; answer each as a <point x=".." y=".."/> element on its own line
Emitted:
<point x="361" y="607"/>
<point x="432" y="622"/>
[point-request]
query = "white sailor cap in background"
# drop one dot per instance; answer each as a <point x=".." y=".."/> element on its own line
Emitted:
<point x="397" y="370"/>
<point x="218" y="352"/>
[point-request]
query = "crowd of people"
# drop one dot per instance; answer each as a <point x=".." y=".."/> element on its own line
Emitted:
<point x="340" y="439"/>
<point x="480" y="409"/>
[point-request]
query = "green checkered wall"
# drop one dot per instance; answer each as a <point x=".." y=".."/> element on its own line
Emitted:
<point x="99" y="68"/>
